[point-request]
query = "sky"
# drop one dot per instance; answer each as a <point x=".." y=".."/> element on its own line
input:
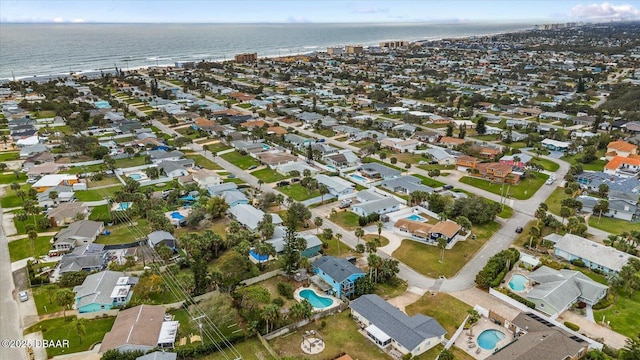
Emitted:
<point x="313" y="11"/>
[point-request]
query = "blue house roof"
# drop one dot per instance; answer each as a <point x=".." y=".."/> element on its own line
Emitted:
<point x="338" y="269"/>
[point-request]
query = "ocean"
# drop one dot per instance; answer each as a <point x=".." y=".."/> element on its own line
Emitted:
<point x="51" y="49"/>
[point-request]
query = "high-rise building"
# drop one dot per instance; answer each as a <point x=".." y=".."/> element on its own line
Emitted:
<point x="246" y="57"/>
<point x="354" y="49"/>
<point x="394" y="44"/>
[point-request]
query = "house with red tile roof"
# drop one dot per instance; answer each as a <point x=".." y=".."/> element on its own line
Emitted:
<point x="620" y="148"/>
<point x="625" y="167"/>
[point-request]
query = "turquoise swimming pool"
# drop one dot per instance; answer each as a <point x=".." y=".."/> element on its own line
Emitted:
<point x="489" y="338"/>
<point x="123" y="206"/>
<point x="136" y="176"/>
<point x="316" y="300"/>
<point x="416" y="217"/>
<point x="518" y="282"/>
<point x="358" y="177"/>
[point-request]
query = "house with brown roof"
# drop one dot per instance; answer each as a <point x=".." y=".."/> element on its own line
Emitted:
<point x="417" y="230"/>
<point x="242" y="97"/>
<point x="67" y="213"/>
<point x="450" y="142"/>
<point x="620" y="148"/>
<point x="536" y="336"/>
<point x="47" y="168"/>
<point x="276" y="130"/>
<point x="254" y="124"/>
<point x="463" y="163"/>
<point x="446" y="229"/>
<point x="273" y="159"/>
<point x="486" y="151"/>
<point x="496" y="172"/>
<point x="140" y="328"/>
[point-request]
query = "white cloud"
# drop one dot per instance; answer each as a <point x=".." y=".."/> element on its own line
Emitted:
<point x="605" y="11"/>
<point x="58" y="20"/>
<point x="77" y="21"/>
<point x="370" y="10"/>
<point x="298" y="20"/>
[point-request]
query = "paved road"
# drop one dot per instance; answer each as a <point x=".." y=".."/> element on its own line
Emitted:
<point x="9" y="316"/>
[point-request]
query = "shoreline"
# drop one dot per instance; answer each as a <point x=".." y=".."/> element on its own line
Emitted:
<point x="313" y="49"/>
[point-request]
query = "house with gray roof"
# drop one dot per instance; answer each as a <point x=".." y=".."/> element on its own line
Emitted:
<point x="387" y="326"/>
<point x="249" y="217"/>
<point x="594" y="255"/>
<point x="441" y="155"/>
<point x="312" y="248"/>
<point x="234" y="197"/>
<point x="176" y="169"/>
<point x="158" y="156"/>
<point x="219" y="189"/>
<point x="161" y="237"/>
<point x="337" y="186"/>
<point x="297" y="140"/>
<point x="618" y="208"/>
<point x="342" y="159"/>
<point x="374" y="170"/>
<point x="159" y="355"/>
<point x="90" y="257"/>
<point x="406" y="185"/>
<point x="380" y="206"/>
<point x="336" y="276"/>
<point x="78" y="233"/>
<point x="554" y="291"/>
<point x="103" y="291"/>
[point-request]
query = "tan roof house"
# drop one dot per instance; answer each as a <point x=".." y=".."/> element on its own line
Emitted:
<point x="140" y="328"/>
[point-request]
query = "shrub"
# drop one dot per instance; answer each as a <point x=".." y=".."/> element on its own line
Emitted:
<point x="286" y="290"/>
<point x="604" y="303"/>
<point x="571" y="326"/>
<point x="501" y="262"/>
<point x="278" y="301"/>
<point x="360" y="248"/>
<point x="362" y="221"/>
<point x="517" y="297"/>
<point x="499" y="278"/>
<point x="578" y="263"/>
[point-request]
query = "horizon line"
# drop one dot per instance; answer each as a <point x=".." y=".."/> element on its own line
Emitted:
<point x="442" y="21"/>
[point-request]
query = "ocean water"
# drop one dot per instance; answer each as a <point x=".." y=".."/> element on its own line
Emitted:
<point x="51" y="49"/>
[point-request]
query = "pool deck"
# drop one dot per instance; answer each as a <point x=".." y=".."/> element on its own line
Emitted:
<point x="468" y="339"/>
<point x="518" y="271"/>
<point x="336" y="301"/>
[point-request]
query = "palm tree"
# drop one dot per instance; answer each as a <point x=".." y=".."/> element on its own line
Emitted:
<point x="270" y="313"/>
<point x="260" y="182"/>
<point x="338" y="238"/>
<point x="64" y="298"/>
<point x="442" y="244"/>
<point x="15" y="186"/>
<point x="3" y="167"/>
<point x="380" y="224"/>
<point x="534" y="232"/>
<point x="79" y="325"/>
<point x="53" y="195"/>
<point x="359" y="232"/>
<point x="318" y="221"/>
<point x="33" y="235"/>
<point x="323" y="190"/>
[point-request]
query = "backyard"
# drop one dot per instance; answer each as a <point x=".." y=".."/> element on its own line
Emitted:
<point x="21" y="249"/>
<point x="203" y="162"/>
<point x="622" y="316"/>
<point x="299" y="192"/>
<point x="546" y="164"/>
<point x="123" y="234"/>
<point x="45" y="298"/>
<point x="10" y="199"/>
<point x="447" y="310"/>
<point x="59" y="329"/>
<point x="268" y="175"/>
<point x="340" y="335"/>
<point x="249" y="349"/>
<point x="8" y="156"/>
<point x="345" y="219"/>
<point x="597" y="165"/>
<point x="614" y="226"/>
<point x="97" y="194"/>
<point x="429" y="181"/>
<point x="425" y="259"/>
<point x="239" y="160"/>
<point x="522" y="191"/>
<point x="9" y="178"/>
<point x="554" y="200"/>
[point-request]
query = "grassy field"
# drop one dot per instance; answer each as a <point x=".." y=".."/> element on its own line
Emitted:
<point x="554" y="200"/>
<point x="623" y="314"/>
<point x="122" y="234"/>
<point x="425" y="259"/>
<point x="97" y="194"/>
<point x="299" y="192"/>
<point x="449" y="311"/>
<point x="84" y="169"/>
<point x="268" y="175"/>
<point x="249" y="349"/>
<point x="345" y="219"/>
<point x="404" y="157"/>
<point x="31" y="219"/>
<point x="614" y="226"/>
<point x="129" y="162"/>
<point x="21" y="249"/>
<point x="429" y="181"/>
<point x="9" y="178"/>
<point x="41" y="297"/>
<point x="546" y="164"/>
<point x="239" y="160"/>
<point x="58" y="329"/>
<point x="522" y="191"/>
<point x="100" y="213"/>
<point x="339" y="335"/>
<point x="204" y="162"/>
<point x="10" y="199"/>
<point x="387" y="291"/>
<point x="214" y="148"/>
<point x="8" y="156"/>
<point x="597" y="165"/>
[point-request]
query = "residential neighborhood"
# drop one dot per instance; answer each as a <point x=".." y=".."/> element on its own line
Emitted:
<point x="476" y="198"/>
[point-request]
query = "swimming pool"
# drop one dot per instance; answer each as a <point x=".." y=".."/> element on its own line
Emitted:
<point x="135" y="176"/>
<point x="266" y="147"/>
<point x="316" y="300"/>
<point x="358" y="177"/>
<point x="489" y="338"/>
<point x="176" y="215"/>
<point x="123" y="206"/>
<point x="415" y="217"/>
<point x="518" y="282"/>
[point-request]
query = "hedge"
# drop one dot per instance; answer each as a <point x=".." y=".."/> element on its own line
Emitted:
<point x="497" y="264"/>
<point x="604" y="303"/>
<point x="517" y="297"/>
<point x="571" y="326"/>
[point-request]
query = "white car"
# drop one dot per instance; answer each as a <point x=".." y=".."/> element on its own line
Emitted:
<point x="23" y="296"/>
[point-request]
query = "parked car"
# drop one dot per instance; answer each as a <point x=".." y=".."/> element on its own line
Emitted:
<point x="447" y="187"/>
<point x="295" y="180"/>
<point x="345" y="204"/>
<point x="23" y="296"/>
<point x="283" y="183"/>
<point x="252" y="167"/>
<point x="231" y="176"/>
<point x="519" y="229"/>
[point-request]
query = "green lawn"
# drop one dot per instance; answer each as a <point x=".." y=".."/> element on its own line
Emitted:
<point x="337" y="249"/>
<point x="429" y="181"/>
<point x="622" y="316"/>
<point x="425" y="259"/>
<point x="449" y="311"/>
<point x="21" y="249"/>
<point x="396" y="167"/>
<point x="597" y="165"/>
<point x="614" y="226"/>
<point x="84" y="169"/>
<point x="339" y="335"/>
<point x="239" y="160"/>
<point x="522" y="191"/>
<point x="129" y="162"/>
<point x="268" y="175"/>
<point x="249" y="349"/>
<point x="100" y="213"/>
<point x="345" y="219"/>
<point x="41" y="297"/>
<point x="546" y="164"/>
<point x="122" y="234"/>
<point x="10" y="199"/>
<point x="245" y="105"/>
<point x="362" y="143"/>
<point x="58" y="329"/>
<point x="219" y="146"/>
<point x="387" y="291"/>
<point x="31" y="219"/>
<point x="234" y="180"/>
<point x="9" y="178"/>
<point x="11" y="155"/>
<point x="299" y="192"/>
<point x="123" y="140"/>
<point x="97" y="194"/>
<point x="554" y="200"/>
<point x="204" y="162"/>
